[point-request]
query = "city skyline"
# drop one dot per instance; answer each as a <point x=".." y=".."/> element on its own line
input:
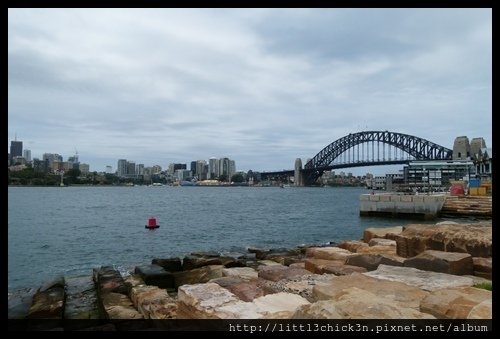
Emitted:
<point x="260" y="86"/>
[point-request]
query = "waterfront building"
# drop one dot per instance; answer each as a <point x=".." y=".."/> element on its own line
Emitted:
<point x="131" y="169"/>
<point x="139" y="169"/>
<point x="429" y="175"/>
<point x="231" y="169"/>
<point x="200" y="169"/>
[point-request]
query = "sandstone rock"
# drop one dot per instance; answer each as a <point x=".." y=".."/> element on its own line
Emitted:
<point x="475" y="239"/>
<point x="108" y="279"/>
<point x="245" y="273"/>
<point x="298" y="265"/>
<point x="319" y="266"/>
<point x="48" y="301"/>
<point x="293" y="260"/>
<point x="380" y="232"/>
<point x="425" y="280"/>
<point x="155" y="275"/>
<point x="352" y="245"/>
<point x="273" y="306"/>
<point x="227" y="282"/>
<point x="482" y="264"/>
<point x="328" y="253"/>
<point x="457" y="303"/>
<point x="275" y="273"/>
<point x="132" y="281"/>
<point x="381" y="242"/>
<point x="268" y="263"/>
<point x="344" y="270"/>
<point x="192" y="262"/>
<point x="356" y="303"/>
<point x="169" y="264"/>
<point x="399" y="294"/>
<point x="378" y="249"/>
<point x="444" y="262"/>
<point x="369" y="262"/>
<point x="247" y="290"/>
<point x="260" y="253"/>
<point x="198" y="275"/>
<point x="119" y="306"/>
<point x="483" y="310"/>
<point x="202" y="301"/>
<point x="153" y="302"/>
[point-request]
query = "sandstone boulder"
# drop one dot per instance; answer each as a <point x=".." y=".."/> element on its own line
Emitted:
<point x="444" y="262"/>
<point x="245" y="273"/>
<point x="425" y="280"/>
<point x="352" y="245"/>
<point x="458" y="303"/>
<point x="198" y="275"/>
<point x="276" y="273"/>
<point x="155" y="275"/>
<point x="380" y="232"/>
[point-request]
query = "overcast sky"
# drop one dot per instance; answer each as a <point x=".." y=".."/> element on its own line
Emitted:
<point x="260" y="86"/>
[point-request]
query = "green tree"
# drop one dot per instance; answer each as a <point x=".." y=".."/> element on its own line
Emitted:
<point x="238" y="177"/>
<point x="223" y="177"/>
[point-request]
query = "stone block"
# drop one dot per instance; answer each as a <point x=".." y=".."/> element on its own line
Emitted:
<point x="444" y="262"/>
<point x="458" y="303"/>
<point x="155" y="275"/>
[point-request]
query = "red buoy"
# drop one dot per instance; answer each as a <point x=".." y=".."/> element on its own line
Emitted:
<point x="152" y="223"/>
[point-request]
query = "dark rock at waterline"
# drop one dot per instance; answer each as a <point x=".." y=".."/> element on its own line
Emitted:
<point x="48" y="303"/>
<point x="155" y="275"/>
<point x="108" y="279"/>
<point x="19" y="303"/>
<point x="192" y="262"/>
<point x="81" y="299"/>
<point x="55" y="282"/>
<point x="169" y="264"/>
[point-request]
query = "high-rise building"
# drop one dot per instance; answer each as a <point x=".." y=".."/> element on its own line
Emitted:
<point x="212" y="168"/>
<point x="131" y="169"/>
<point x="200" y="169"/>
<point x="231" y="169"/>
<point x="224" y="168"/>
<point x="192" y="167"/>
<point x="121" y="170"/>
<point x="139" y="169"/>
<point x="16" y="149"/>
<point x="27" y="155"/>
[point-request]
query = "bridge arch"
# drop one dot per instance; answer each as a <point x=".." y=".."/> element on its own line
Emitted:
<point x="418" y="148"/>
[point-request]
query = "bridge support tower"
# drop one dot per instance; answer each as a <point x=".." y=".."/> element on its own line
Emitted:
<point x="298" y="175"/>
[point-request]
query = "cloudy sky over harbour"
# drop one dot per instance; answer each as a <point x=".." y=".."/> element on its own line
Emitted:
<point x="260" y="86"/>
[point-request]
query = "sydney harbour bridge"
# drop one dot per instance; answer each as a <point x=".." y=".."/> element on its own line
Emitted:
<point x="368" y="148"/>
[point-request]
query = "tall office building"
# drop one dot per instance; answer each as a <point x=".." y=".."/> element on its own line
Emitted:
<point x="231" y="169"/>
<point x="27" y="155"/>
<point x="212" y="168"/>
<point x="16" y="149"/>
<point x="121" y="170"/>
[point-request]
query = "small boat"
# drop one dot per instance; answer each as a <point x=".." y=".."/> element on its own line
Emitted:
<point x="152" y="224"/>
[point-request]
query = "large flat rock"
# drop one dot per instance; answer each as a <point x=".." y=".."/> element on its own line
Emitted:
<point x="245" y="273"/>
<point x="356" y="303"/>
<point x="273" y="306"/>
<point x="202" y="301"/>
<point x="198" y="275"/>
<point x="108" y="279"/>
<point x="276" y="273"/>
<point x="400" y="294"/>
<point x="425" y="280"/>
<point x="458" y="303"/>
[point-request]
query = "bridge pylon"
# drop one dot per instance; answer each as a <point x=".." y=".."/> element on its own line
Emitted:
<point x="298" y="176"/>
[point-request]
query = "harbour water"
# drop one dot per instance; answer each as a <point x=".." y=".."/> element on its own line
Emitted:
<point x="70" y="230"/>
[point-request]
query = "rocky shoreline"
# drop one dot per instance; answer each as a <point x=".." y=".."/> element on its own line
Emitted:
<point x="417" y="271"/>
